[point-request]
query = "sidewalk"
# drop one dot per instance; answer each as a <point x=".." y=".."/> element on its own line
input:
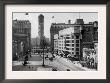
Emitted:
<point x="32" y="66"/>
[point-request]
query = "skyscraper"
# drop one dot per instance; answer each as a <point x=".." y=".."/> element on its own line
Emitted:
<point x="40" y="27"/>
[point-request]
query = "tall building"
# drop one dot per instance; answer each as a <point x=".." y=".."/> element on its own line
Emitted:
<point x="40" y="27"/>
<point x="68" y="40"/>
<point x="21" y="32"/>
<point x="56" y="27"/>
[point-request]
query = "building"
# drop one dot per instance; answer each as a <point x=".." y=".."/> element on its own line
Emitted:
<point x="55" y="28"/>
<point x="34" y="49"/>
<point x="40" y="28"/>
<point x="90" y="44"/>
<point x="68" y="40"/>
<point x="35" y="44"/>
<point x="73" y="37"/>
<point x="21" y="33"/>
<point x="90" y="34"/>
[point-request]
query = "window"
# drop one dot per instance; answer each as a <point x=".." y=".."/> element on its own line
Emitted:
<point x="77" y="37"/>
<point x="67" y="37"/>
<point x="72" y="36"/>
<point x="72" y="45"/>
<point x="72" y="48"/>
<point x="72" y="41"/>
<point x="67" y="41"/>
<point x="67" y="48"/>
<point x="77" y="45"/>
<point x="72" y="52"/>
<point x="77" y="49"/>
<point x="77" y="41"/>
<point x="67" y="44"/>
<point x="77" y="53"/>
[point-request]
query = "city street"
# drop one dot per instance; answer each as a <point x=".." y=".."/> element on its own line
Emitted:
<point x="72" y="39"/>
<point x="35" y="63"/>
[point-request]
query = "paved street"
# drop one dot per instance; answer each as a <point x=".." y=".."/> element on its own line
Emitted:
<point x="35" y="64"/>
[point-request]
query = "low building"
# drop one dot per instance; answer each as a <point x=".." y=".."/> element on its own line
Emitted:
<point x="68" y="40"/>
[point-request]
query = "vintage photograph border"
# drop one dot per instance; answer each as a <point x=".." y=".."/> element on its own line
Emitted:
<point x="2" y="40"/>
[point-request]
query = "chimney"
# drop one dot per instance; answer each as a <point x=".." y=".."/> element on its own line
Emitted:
<point x="95" y="24"/>
<point x="69" y="21"/>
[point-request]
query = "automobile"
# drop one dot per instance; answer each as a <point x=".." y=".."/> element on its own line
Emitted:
<point x="68" y="69"/>
<point x="61" y="55"/>
<point x="47" y="57"/>
<point x="54" y="69"/>
<point x="51" y="58"/>
<point x="69" y="55"/>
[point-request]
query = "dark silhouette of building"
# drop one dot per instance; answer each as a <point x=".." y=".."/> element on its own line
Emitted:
<point x="90" y="34"/>
<point x="21" y="33"/>
<point x="40" y="27"/>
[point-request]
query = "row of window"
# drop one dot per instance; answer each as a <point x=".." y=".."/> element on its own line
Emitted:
<point x="61" y="48"/>
<point x="20" y="30"/>
<point x="68" y="41"/>
<point x="77" y="45"/>
<point x="77" y="53"/>
<point x="61" y="41"/>
<point x="72" y="37"/>
<point x="77" y="49"/>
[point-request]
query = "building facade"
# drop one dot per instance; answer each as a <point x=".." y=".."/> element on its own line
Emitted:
<point x="68" y="40"/>
<point x="73" y="37"/>
<point x="40" y="28"/>
<point x="21" y="37"/>
<point x="90" y="45"/>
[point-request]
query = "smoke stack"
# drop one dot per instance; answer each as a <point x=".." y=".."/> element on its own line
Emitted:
<point x="95" y="24"/>
<point x="69" y="21"/>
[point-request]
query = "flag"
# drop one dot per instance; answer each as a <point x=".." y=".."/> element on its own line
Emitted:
<point x="26" y="13"/>
<point x="52" y="16"/>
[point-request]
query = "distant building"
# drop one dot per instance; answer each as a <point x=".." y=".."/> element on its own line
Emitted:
<point x="40" y="27"/>
<point x="33" y="42"/>
<point x="21" y="32"/>
<point x="47" y="41"/>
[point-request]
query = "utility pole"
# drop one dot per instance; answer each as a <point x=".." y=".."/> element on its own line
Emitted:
<point x="43" y="47"/>
<point x="43" y="58"/>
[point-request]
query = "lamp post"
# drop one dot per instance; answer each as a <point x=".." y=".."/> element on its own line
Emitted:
<point x="43" y="58"/>
<point x="43" y="45"/>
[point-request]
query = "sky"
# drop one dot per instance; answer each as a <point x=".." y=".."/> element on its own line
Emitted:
<point x="53" y="18"/>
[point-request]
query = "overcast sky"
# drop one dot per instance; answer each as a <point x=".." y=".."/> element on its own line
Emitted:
<point x="53" y="18"/>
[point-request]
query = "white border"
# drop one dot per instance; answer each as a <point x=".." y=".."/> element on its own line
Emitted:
<point x="100" y="74"/>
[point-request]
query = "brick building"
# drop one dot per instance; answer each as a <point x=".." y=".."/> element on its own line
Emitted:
<point x="21" y="37"/>
<point x="73" y="37"/>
